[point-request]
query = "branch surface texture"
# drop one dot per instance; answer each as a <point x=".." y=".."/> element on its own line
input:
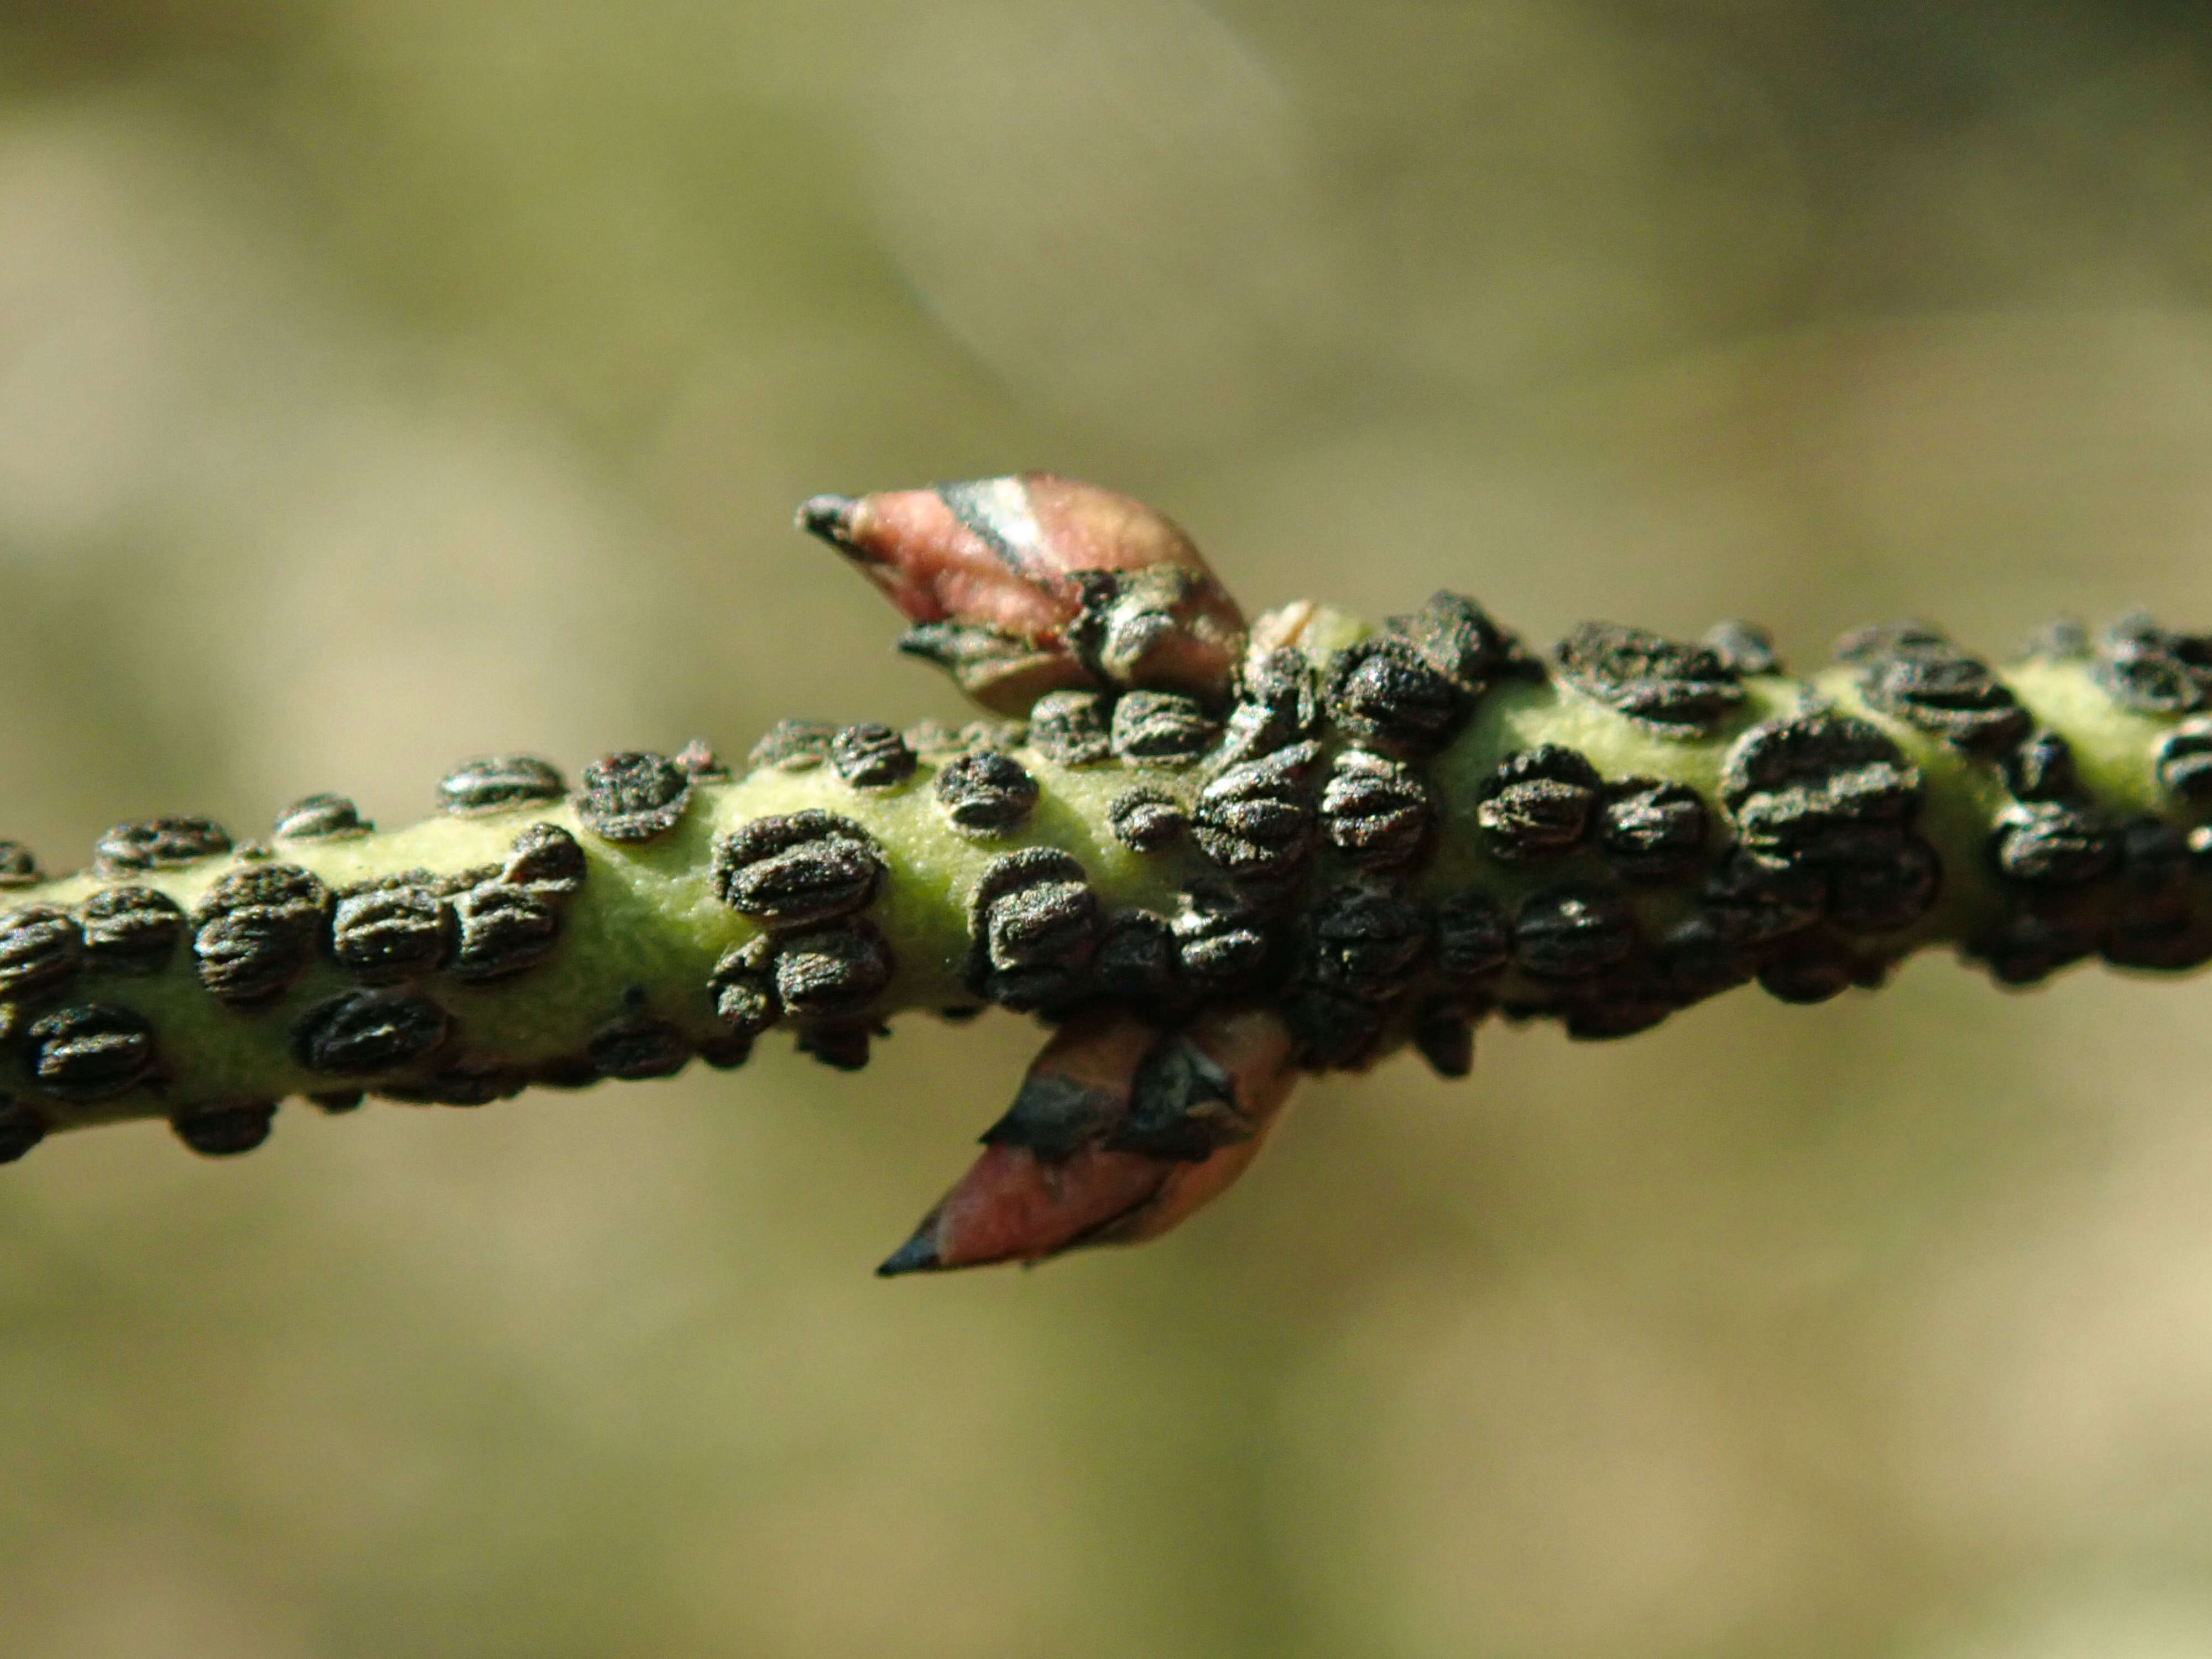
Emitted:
<point x="1212" y="856"/>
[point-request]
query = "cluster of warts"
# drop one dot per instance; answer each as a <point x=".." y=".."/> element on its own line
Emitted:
<point x="1383" y="838"/>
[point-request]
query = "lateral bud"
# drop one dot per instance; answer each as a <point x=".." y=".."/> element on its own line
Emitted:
<point x="1021" y="586"/>
<point x="1121" y="1131"/>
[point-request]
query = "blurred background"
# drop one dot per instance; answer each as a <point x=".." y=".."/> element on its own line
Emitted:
<point x="382" y="383"/>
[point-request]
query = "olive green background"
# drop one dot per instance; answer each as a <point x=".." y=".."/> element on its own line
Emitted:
<point x="383" y="381"/>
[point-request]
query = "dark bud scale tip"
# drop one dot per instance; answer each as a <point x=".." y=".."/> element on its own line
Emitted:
<point x="18" y="868"/>
<point x="91" y="1052"/>
<point x="396" y="930"/>
<point x="1375" y="810"/>
<point x="1182" y="1105"/>
<point x="1678" y="691"/>
<point x="2149" y="669"/>
<point x="834" y="975"/>
<point x="1159" y="728"/>
<point x="986" y="794"/>
<point x="40" y="949"/>
<point x="1471" y="936"/>
<point x="547" y="860"/>
<point x="1381" y="691"/>
<point x="633" y="796"/>
<point x="21" y="1129"/>
<point x="796" y="869"/>
<point x="1538" y="804"/>
<point x="1069" y="728"/>
<point x="257" y="931"/>
<point x="320" y="817"/>
<point x="2051" y="845"/>
<point x="158" y="844"/>
<point x="1571" y="932"/>
<point x="1035" y="923"/>
<point x="499" y="783"/>
<point x="1743" y="647"/>
<point x="743" y="986"/>
<point x="1366" y="939"/>
<point x="1653" y="831"/>
<point x="1257" y="819"/>
<point x="1454" y="636"/>
<point x="794" y="745"/>
<point x="225" y="1131"/>
<point x="364" y="1033"/>
<point x="871" y="756"/>
<point x="2185" y="763"/>
<point x="1146" y="820"/>
<point x="501" y="931"/>
<point x="1912" y="672"/>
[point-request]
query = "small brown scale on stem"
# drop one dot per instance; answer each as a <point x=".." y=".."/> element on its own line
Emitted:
<point x="1214" y="856"/>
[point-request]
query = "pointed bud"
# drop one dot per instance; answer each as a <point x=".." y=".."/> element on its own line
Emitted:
<point x="1120" y="1133"/>
<point x="1021" y="586"/>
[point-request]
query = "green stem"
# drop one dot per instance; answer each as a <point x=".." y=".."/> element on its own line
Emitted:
<point x="643" y="962"/>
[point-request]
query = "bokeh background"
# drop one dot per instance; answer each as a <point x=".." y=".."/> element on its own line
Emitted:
<point x="387" y="380"/>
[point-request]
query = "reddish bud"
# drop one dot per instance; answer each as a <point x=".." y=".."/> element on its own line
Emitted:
<point x="1120" y="1133"/>
<point x="1024" y="585"/>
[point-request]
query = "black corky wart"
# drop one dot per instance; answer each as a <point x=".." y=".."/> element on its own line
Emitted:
<point x="40" y="949"/>
<point x="1912" y="672"/>
<point x="1383" y="691"/>
<point x="2146" y="668"/>
<point x="1569" y="931"/>
<point x="791" y="870"/>
<point x="1678" y="691"/>
<point x="394" y="931"/>
<point x="257" y="931"/>
<point x="1257" y="819"/>
<point x="320" y="817"/>
<point x="501" y="931"/>
<point x="499" y="783"/>
<point x="1652" y="831"/>
<point x="986" y="794"/>
<point x="835" y="974"/>
<point x="91" y="1051"/>
<point x="159" y="844"/>
<point x="1035" y="923"/>
<point x="634" y="796"/>
<point x="794" y="745"/>
<point x="871" y="756"/>
<point x="130" y="930"/>
<point x="1538" y="804"/>
<point x="1375" y="811"/>
<point x="1159" y="728"/>
<point x="1069" y="728"/>
<point x="225" y="1131"/>
<point x="1146" y="820"/>
<point x="365" y="1033"/>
